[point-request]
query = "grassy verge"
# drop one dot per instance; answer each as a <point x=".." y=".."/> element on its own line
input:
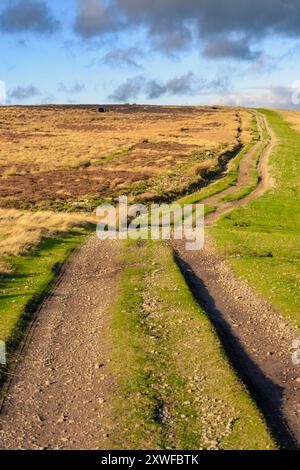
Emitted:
<point x="263" y="238"/>
<point x="30" y="281"/>
<point x="176" y="389"/>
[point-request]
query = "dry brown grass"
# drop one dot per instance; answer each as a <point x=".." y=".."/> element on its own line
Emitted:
<point x="21" y="231"/>
<point x="46" y="138"/>
<point x="12" y="171"/>
<point x="66" y="157"/>
<point x="202" y="168"/>
<point x="292" y="117"/>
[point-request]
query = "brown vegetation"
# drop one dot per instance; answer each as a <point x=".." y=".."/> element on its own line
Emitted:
<point x="21" y="231"/>
<point x="69" y="158"/>
<point x="292" y="117"/>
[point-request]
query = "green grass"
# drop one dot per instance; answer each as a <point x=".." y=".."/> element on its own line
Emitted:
<point x="33" y="274"/>
<point x="263" y="238"/>
<point x="175" y="387"/>
<point x="254" y="176"/>
<point x="243" y="192"/>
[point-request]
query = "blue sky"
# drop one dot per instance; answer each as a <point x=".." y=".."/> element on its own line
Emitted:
<point x="243" y="52"/>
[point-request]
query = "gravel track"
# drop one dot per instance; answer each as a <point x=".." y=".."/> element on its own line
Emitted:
<point x="244" y="177"/>
<point x="57" y="399"/>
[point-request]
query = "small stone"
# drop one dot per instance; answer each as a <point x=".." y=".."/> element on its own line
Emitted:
<point x="41" y="418"/>
<point x="99" y="366"/>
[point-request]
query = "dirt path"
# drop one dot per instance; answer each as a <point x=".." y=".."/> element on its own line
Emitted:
<point x="244" y="178"/>
<point x="57" y="398"/>
<point x="258" y="340"/>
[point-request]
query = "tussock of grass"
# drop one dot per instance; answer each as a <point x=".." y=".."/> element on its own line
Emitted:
<point x="176" y="389"/>
<point x="263" y="238"/>
<point x="22" y="231"/>
<point x="12" y="171"/>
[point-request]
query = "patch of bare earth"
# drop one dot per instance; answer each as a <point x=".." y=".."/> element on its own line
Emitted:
<point x="57" y="398"/>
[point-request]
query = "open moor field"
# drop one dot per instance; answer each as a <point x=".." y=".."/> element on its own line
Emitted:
<point x="72" y="158"/>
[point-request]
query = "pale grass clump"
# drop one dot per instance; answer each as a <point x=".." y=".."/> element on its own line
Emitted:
<point x="12" y="171"/>
<point x="203" y="167"/>
<point x="21" y="231"/>
<point x="293" y="117"/>
<point x="5" y="267"/>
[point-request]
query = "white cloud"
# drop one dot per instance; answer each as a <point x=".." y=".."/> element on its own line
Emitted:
<point x="2" y="92"/>
<point x="267" y="96"/>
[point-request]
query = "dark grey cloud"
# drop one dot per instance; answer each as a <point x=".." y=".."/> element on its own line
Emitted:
<point x="76" y="87"/>
<point x="187" y="84"/>
<point x="173" y="24"/>
<point x="237" y="49"/>
<point x="94" y="18"/>
<point x="27" y="16"/>
<point x="173" y="41"/>
<point x="22" y="93"/>
<point x="129" y="90"/>
<point x="123" y="57"/>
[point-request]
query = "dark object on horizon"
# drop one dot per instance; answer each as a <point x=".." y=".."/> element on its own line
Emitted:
<point x="102" y="110"/>
<point x="84" y="164"/>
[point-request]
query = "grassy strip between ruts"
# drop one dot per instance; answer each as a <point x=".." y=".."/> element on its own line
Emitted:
<point x="176" y="389"/>
<point x="23" y="289"/>
<point x="262" y="239"/>
<point x="243" y="192"/>
<point x="254" y="176"/>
